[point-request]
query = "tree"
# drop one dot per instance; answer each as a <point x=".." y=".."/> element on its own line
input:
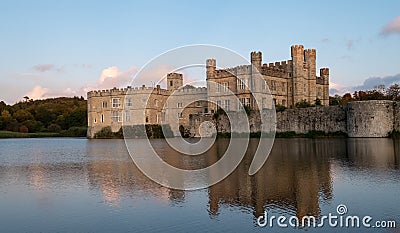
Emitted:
<point x="318" y="102"/>
<point x="393" y="92"/>
<point x="22" y="115"/>
<point x="303" y="104"/>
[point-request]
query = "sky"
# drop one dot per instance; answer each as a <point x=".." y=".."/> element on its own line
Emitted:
<point x="66" y="48"/>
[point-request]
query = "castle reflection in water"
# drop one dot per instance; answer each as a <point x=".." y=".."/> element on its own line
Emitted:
<point x="296" y="178"/>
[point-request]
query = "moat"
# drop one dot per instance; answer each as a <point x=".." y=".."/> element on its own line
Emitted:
<point x="80" y="185"/>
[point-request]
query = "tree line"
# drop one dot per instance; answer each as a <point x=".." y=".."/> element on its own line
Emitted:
<point x="380" y="92"/>
<point x="63" y="115"/>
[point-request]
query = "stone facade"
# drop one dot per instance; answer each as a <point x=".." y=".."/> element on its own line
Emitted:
<point x="289" y="82"/>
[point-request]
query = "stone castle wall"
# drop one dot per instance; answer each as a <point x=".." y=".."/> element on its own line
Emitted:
<point x="374" y="118"/>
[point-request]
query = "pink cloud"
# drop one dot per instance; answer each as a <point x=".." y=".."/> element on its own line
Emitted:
<point x="392" y="27"/>
<point x="38" y="92"/>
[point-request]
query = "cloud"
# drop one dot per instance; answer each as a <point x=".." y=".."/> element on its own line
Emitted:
<point x="113" y="77"/>
<point x="38" y="92"/>
<point x="392" y="27"/>
<point x="47" y="67"/>
<point x="368" y="84"/>
<point x="373" y="82"/>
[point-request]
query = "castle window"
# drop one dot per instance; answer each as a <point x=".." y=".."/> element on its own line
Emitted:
<point x="284" y="103"/>
<point x="115" y="102"/>
<point x="104" y="104"/>
<point x="226" y="86"/>
<point x="170" y="83"/>
<point x="163" y="116"/>
<point x="218" y="87"/>
<point x="227" y="105"/>
<point x="147" y="119"/>
<point x="102" y="118"/>
<point x="180" y="114"/>
<point x="218" y="104"/>
<point x="127" y="116"/>
<point x="157" y="118"/>
<point x="116" y="116"/>
<point x="199" y="104"/>
<point x="180" y="105"/>
<point x="129" y="102"/>
<point x="241" y="84"/>
<point x="247" y="102"/>
<point x="156" y="103"/>
<point x="95" y="120"/>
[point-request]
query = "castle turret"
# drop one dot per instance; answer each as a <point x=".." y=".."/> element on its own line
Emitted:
<point x="174" y="81"/>
<point x="324" y="74"/>
<point x="211" y="65"/>
<point x="310" y="74"/>
<point x="299" y="85"/>
<point x="256" y="60"/>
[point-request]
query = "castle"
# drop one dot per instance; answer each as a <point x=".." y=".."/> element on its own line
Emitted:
<point x="287" y="82"/>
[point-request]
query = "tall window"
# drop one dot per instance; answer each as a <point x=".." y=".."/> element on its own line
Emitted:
<point x="226" y="86"/>
<point x="227" y="105"/>
<point x="102" y="118"/>
<point x="218" y="87"/>
<point x="198" y="103"/>
<point x="115" y="102"/>
<point x="104" y="104"/>
<point x="180" y="105"/>
<point x="218" y="104"/>
<point x="242" y="83"/>
<point x="180" y="114"/>
<point x="129" y="102"/>
<point x="115" y="116"/>
<point x="127" y="116"/>
<point x="247" y="102"/>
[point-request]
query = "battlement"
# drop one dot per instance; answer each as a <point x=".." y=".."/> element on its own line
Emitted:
<point x="272" y="70"/>
<point x="233" y="71"/>
<point x="278" y="65"/>
<point x="123" y="91"/>
<point x="189" y="90"/>
<point x="310" y="51"/>
<point x="211" y="63"/>
<point x="324" y="71"/>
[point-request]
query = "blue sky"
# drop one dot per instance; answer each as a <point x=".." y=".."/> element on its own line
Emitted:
<point x="61" y="48"/>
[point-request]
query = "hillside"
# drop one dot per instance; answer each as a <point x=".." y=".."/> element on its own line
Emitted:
<point x="61" y="116"/>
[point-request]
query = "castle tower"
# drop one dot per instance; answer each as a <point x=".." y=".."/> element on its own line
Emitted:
<point x="174" y="81"/>
<point x="311" y="76"/>
<point x="211" y="66"/>
<point x="256" y="60"/>
<point x="297" y="52"/>
<point x="324" y="74"/>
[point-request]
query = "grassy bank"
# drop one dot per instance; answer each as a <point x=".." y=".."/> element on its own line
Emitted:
<point x="71" y="132"/>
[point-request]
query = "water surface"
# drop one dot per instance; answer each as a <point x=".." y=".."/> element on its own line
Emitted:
<point x="80" y="185"/>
